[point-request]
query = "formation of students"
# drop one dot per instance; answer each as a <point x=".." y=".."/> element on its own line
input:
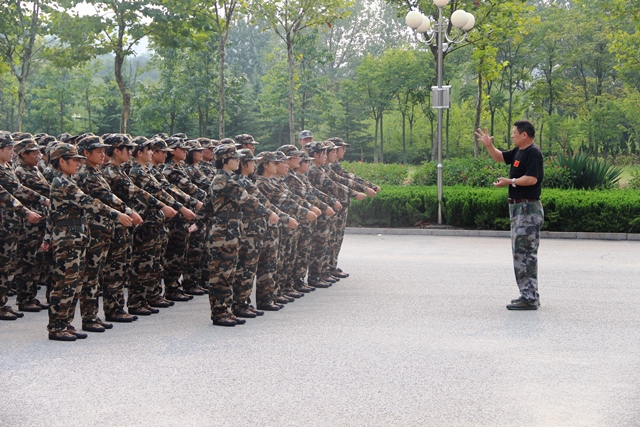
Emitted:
<point x="164" y="219"/>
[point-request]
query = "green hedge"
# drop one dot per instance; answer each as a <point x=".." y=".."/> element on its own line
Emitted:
<point x="614" y="211"/>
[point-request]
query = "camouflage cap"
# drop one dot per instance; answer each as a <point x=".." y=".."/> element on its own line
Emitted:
<point x="84" y="135"/>
<point x="117" y="140"/>
<point x="305" y="134"/>
<point x="194" y="145"/>
<point x="266" y="157"/>
<point x="281" y="157"/>
<point x="65" y="137"/>
<point x="25" y="146"/>
<point x="306" y="158"/>
<point x="65" y="150"/>
<point x="339" y="142"/>
<point x="46" y="139"/>
<point x="50" y="146"/>
<point x="161" y="135"/>
<point x="225" y="141"/>
<point x="141" y="142"/>
<point x="225" y="151"/>
<point x="290" y="150"/>
<point x="179" y="135"/>
<point x="159" y="144"/>
<point x="19" y="136"/>
<point x="314" y="147"/>
<point x="206" y="143"/>
<point x="245" y="138"/>
<point x="215" y="142"/>
<point x="6" y="140"/>
<point x="90" y="142"/>
<point x="246" y="155"/>
<point x="37" y="136"/>
<point x="329" y="145"/>
<point x="175" y="142"/>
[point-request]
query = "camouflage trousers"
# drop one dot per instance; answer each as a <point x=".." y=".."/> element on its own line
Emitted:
<point x="69" y="250"/>
<point x="176" y="254"/>
<point x="223" y="244"/>
<point x="303" y="255"/>
<point x="196" y="271"/>
<point x="116" y="271"/>
<point x="267" y="267"/>
<point x="96" y="256"/>
<point x="158" y="268"/>
<point x="340" y="223"/>
<point x="319" y="265"/>
<point x="147" y="247"/>
<point x="526" y="222"/>
<point x="30" y="261"/>
<point x="8" y="256"/>
<point x="248" y="258"/>
<point x="286" y="259"/>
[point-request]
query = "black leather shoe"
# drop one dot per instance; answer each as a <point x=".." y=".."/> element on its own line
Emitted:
<point x="225" y="322"/>
<point x="139" y="311"/>
<point x="268" y="307"/>
<point x="282" y="300"/>
<point x="7" y="315"/>
<point x="177" y="296"/>
<point x="513" y="301"/>
<point x="239" y="321"/>
<point x="330" y="279"/>
<point x="43" y="305"/>
<point x="12" y="311"/>
<point x="62" y="336"/>
<point x="93" y="327"/>
<point x="29" y="307"/>
<point x="121" y="317"/>
<point x="151" y="309"/>
<point x="104" y="324"/>
<point x="304" y="290"/>
<point x="294" y="294"/>
<point x="256" y="311"/>
<point x="523" y="305"/>
<point x="339" y="275"/>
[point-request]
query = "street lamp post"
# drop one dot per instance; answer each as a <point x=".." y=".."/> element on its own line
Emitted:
<point x="433" y="32"/>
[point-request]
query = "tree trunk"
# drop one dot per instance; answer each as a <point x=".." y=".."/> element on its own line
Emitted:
<point x="126" y="97"/>
<point x="375" y="140"/>
<point x="404" y="138"/>
<point x="476" y="124"/>
<point x="381" y="138"/>
<point x="222" y="45"/>
<point x="446" y="130"/>
<point x="22" y="100"/>
<point x="290" y="64"/>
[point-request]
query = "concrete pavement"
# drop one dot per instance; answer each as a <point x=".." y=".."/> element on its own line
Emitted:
<point x="417" y="336"/>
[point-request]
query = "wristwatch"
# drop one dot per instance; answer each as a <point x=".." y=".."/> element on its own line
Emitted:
<point x="513" y="182"/>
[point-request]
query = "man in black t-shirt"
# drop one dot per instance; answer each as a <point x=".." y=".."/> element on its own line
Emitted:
<point x="525" y="209"/>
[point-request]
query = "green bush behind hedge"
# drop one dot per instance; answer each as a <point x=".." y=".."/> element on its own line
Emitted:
<point x="614" y="211"/>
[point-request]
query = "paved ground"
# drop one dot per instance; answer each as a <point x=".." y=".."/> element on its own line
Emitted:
<point x="417" y="336"/>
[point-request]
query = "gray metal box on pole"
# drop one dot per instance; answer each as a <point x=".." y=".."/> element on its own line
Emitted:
<point x="440" y="96"/>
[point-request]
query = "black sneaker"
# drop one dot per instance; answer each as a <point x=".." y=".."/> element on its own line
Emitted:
<point x="523" y="304"/>
<point x="516" y="300"/>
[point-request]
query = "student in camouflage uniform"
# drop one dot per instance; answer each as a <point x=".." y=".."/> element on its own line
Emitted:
<point x="120" y="251"/>
<point x="525" y="209"/>
<point x="229" y="201"/>
<point x="268" y="181"/>
<point x="207" y="165"/>
<point x="147" y="237"/>
<point x="31" y="261"/>
<point x="195" y="276"/>
<point x="319" y="272"/>
<point x="67" y="236"/>
<point x="299" y="184"/>
<point x="178" y="246"/>
<point x="246" y="141"/>
<point x="101" y="228"/>
<point x="158" y="158"/>
<point x="12" y="221"/>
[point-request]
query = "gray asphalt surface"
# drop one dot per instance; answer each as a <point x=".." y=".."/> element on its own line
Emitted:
<point x="417" y="336"/>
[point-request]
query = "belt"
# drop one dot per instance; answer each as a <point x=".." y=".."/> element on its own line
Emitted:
<point x="229" y="215"/>
<point x="513" y="201"/>
<point x="71" y="222"/>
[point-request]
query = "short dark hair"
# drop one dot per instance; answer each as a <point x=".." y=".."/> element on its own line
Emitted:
<point x="526" y="126"/>
<point x="55" y="163"/>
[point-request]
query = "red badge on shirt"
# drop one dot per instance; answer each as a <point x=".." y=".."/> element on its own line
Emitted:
<point x="516" y="163"/>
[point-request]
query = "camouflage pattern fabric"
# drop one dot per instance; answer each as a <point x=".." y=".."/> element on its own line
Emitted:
<point x="267" y="267"/>
<point x="526" y="222"/>
<point x="116" y="270"/>
<point x="8" y="256"/>
<point x="337" y="168"/>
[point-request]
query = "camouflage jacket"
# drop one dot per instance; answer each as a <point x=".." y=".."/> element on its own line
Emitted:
<point x="91" y="181"/>
<point x="31" y="177"/>
<point x="251" y="188"/>
<point x="229" y="197"/>
<point x="10" y="203"/>
<point x="10" y="182"/>
<point x="197" y="176"/>
<point x="69" y="202"/>
<point x="301" y="186"/>
<point x="208" y="168"/>
<point x="134" y="196"/>
<point x="141" y="176"/>
<point x="281" y="196"/>
<point x="177" y="194"/>
<point x="320" y="179"/>
<point x="176" y="175"/>
<point x="344" y="181"/>
<point x="337" y="168"/>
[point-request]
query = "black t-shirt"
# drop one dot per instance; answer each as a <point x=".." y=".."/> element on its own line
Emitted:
<point x="525" y="162"/>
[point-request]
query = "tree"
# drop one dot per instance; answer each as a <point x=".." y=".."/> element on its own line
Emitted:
<point x="288" y="19"/>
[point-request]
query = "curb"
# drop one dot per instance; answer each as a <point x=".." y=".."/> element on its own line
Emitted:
<point x="490" y="233"/>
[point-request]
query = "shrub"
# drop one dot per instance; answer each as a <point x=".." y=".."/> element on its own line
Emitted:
<point x="472" y="172"/>
<point x="379" y="173"/>
<point x="614" y="211"/>
<point x="587" y="173"/>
